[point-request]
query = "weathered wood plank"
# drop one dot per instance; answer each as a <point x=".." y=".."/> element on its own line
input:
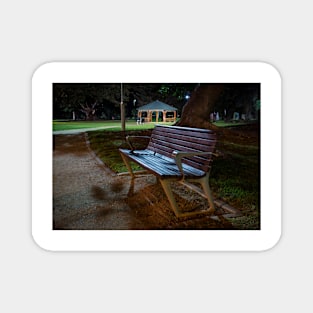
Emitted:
<point x="160" y="165"/>
<point x="205" y="140"/>
<point x="191" y="132"/>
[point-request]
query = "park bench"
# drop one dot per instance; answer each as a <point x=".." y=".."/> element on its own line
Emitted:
<point x="179" y="154"/>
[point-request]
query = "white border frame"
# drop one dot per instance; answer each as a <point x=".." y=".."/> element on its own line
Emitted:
<point x="160" y="240"/>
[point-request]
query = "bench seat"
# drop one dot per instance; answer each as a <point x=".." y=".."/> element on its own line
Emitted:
<point x="160" y="165"/>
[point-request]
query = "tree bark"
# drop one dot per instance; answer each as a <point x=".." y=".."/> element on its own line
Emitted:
<point x="196" y="112"/>
<point x="89" y="111"/>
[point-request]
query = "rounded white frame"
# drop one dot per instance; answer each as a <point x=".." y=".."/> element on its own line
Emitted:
<point x="160" y="240"/>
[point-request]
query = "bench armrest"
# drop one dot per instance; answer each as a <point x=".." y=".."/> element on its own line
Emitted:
<point x="128" y="140"/>
<point x="178" y="155"/>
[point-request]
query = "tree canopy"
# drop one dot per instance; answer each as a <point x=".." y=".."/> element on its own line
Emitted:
<point x="193" y="100"/>
<point x="97" y="100"/>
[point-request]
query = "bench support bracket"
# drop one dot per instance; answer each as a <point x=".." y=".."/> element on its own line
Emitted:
<point x="204" y="181"/>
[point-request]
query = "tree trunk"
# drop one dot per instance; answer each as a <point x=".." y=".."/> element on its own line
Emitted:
<point x="196" y="112"/>
<point x="89" y="111"/>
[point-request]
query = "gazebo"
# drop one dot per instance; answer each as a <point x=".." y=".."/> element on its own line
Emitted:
<point x="157" y="109"/>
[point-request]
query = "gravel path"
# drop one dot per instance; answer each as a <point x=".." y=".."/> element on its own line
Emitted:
<point x="87" y="195"/>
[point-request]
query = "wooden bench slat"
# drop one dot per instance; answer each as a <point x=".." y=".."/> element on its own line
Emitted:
<point x="185" y="137"/>
<point x="190" y="132"/>
<point x="200" y="145"/>
<point x="162" y="166"/>
<point x="171" y="146"/>
<point x="200" y="162"/>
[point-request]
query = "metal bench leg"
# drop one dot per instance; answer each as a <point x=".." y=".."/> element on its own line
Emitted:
<point x="170" y="196"/>
<point x="206" y="188"/>
<point x="127" y="163"/>
<point x="207" y="193"/>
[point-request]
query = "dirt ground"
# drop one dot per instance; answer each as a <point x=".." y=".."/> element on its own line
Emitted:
<point x="88" y="195"/>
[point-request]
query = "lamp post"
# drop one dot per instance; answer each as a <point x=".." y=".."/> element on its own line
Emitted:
<point x="122" y="110"/>
<point x="134" y="110"/>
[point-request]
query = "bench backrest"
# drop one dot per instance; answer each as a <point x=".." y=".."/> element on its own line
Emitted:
<point x="165" y="139"/>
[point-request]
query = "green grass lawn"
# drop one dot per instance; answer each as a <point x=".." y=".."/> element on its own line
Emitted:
<point x="68" y="125"/>
<point x="130" y="124"/>
<point x="106" y="144"/>
<point x="231" y="123"/>
<point x="112" y="125"/>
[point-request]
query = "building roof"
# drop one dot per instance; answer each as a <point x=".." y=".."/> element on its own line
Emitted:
<point x="157" y="106"/>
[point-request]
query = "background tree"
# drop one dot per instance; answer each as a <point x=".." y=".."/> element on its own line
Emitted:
<point x="91" y="101"/>
<point x="89" y="110"/>
<point x="196" y="112"/>
<point x="209" y="98"/>
<point x="241" y="98"/>
<point x="176" y="94"/>
<point x="103" y="100"/>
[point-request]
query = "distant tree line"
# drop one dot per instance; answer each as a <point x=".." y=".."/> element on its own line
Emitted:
<point x="102" y="101"/>
<point x="194" y="101"/>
